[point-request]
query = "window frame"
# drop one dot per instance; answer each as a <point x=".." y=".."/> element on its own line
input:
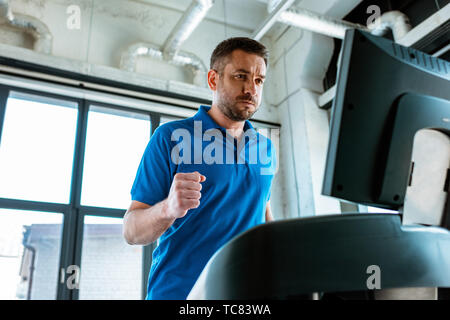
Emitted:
<point x="73" y="212"/>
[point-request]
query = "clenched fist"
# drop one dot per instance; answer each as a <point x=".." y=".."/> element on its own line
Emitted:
<point x="184" y="194"/>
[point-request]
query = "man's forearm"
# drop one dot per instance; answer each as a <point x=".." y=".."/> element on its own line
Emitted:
<point x="144" y="226"/>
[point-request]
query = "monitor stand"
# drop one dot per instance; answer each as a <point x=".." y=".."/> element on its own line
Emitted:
<point x="426" y="200"/>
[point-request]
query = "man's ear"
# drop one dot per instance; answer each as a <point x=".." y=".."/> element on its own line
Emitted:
<point x="212" y="79"/>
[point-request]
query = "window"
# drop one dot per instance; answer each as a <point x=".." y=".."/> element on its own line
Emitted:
<point x="37" y="148"/>
<point x="30" y="244"/>
<point x="115" y="143"/>
<point x="56" y="151"/>
<point x="110" y="268"/>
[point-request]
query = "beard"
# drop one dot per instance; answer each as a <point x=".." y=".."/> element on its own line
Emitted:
<point x="232" y="111"/>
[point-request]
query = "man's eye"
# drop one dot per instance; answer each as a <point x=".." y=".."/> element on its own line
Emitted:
<point x="240" y="76"/>
<point x="259" y="81"/>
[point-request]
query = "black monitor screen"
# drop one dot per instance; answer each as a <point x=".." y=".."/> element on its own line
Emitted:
<point x="385" y="93"/>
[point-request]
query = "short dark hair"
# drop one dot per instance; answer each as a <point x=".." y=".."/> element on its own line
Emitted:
<point x="226" y="47"/>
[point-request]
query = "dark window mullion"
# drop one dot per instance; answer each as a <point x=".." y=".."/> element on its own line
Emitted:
<point x="80" y="147"/>
<point x="78" y="219"/>
<point x="146" y="265"/>
<point x="73" y="230"/>
<point x="27" y="205"/>
<point x="67" y="249"/>
<point x="4" y="93"/>
<point x="106" y="105"/>
<point x="155" y="120"/>
<point x="102" y="212"/>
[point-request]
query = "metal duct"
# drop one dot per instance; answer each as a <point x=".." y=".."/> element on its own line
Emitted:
<point x="170" y="49"/>
<point x="130" y="55"/>
<point x="188" y="22"/>
<point x="184" y="59"/>
<point x="311" y="21"/>
<point x="36" y="28"/>
<point x="5" y="12"/>
<point x="396" y="21"/>
<point x="275" y="8"/>
<point x="272" y="4"/>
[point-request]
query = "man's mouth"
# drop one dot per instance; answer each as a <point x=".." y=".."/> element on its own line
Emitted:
<point x="247" y="102"/>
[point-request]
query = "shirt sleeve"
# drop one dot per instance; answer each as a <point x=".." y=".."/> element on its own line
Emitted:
<point x="154" y="174"/>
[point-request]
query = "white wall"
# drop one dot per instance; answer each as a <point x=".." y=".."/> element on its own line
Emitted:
<point x="299" y="62"/>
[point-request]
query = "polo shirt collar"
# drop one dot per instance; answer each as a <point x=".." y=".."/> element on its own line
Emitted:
<point x="209" y="123"/>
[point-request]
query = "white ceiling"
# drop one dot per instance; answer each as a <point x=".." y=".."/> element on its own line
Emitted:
<point x="248" y="14"/>
<point x="243" y="14"/>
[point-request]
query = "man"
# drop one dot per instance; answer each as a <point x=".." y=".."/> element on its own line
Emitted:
<point x="197" y="194"/>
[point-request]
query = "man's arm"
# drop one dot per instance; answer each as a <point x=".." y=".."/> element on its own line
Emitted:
<point x="143" y="224"/>
<point x="269" y="216"/>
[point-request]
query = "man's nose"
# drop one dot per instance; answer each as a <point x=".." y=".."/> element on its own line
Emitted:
<point x="250" y="88"/>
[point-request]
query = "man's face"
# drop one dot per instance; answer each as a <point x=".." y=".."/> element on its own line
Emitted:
<point x="238" y="89"/>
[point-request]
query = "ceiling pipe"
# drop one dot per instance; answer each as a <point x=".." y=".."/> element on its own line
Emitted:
<point x="37" y="29"/>
<point x="305" y="19"/>
<point x="185" y="26"/>
<point x="5" y="12"/>
<point x="279" y="11"/>
<point x="314" y="22"/>
<point x="272" y="5"/>
<point x="395" y="20"/>
<point x="275" y="8"/>
<point x="170" y="50"/>
<point x="184" y="59"/>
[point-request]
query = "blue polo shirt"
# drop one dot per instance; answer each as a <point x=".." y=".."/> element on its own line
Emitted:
<point x="234" y="196"/>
